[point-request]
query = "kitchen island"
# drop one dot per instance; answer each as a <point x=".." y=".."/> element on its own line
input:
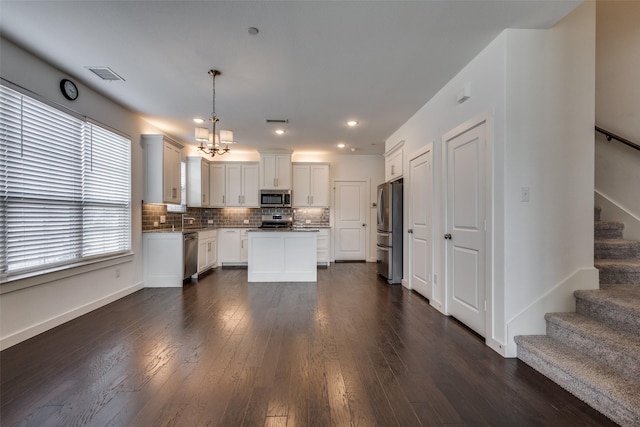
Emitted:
<point x="277" y="255"/>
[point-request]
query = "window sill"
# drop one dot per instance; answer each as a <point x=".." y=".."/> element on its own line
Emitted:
<point x="27" y="280"/>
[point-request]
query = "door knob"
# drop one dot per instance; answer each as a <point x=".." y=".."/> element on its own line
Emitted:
<point x="447" y="236"/>
<point x="364" y="225"/>
<point x="410" y="231"/>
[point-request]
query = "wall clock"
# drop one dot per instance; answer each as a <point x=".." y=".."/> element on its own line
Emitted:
<point x="69" y="89"/>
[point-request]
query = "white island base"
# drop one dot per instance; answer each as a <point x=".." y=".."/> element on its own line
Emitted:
<point x="282" y="256"/>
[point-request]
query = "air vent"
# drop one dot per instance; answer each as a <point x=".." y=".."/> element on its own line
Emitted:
<point x="105" y="73"/>
<point x="277" y="121"/>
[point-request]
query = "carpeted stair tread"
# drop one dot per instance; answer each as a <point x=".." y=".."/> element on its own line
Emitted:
<point x="618" y="306"/>
<point x="616" y="249"/>
<point x="615" y="395"/>
<point x="618" y="271"/>
<point x="618" y="349"/>
<point x="608" y="230"/>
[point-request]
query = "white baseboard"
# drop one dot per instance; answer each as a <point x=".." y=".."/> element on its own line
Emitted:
<point x="530" y="321"/>
<point x="39" y="328"/>
<point x="614" y="211"/>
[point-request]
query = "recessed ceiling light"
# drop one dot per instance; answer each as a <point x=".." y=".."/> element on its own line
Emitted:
<point x="253" y="31"/>
<point x="198" y="120"/>
<point x="280" y="131"/>
<point x="341" y="145"/>
<point x="353" y="149"/>
<point x="352" y="123"/>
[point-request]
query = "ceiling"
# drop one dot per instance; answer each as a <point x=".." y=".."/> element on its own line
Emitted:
<point x="315" y="63"/>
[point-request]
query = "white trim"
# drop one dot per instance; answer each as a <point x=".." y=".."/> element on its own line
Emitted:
<point x="28" y="280"/>
<point x="39" y="328"/>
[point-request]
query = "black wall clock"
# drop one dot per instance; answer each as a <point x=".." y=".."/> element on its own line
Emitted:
<point x="69" y="89"/>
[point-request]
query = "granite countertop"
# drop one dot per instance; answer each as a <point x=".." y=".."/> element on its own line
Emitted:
<point x="282" y="230"/>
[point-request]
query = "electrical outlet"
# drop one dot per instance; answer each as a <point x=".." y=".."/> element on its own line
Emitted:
<point x="209" y="221"/>
<point x="155" y="223"/>
<point x="307" y="221"/>
<point x="163" y="219"/>
<point x="246" y="221"/>
<point x="117" y="273"/>
<point x="524" y="194"/>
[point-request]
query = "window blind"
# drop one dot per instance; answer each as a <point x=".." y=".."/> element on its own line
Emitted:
<point x="65" y="187"/>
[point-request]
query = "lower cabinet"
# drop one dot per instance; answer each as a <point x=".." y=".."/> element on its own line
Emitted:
<point x="162" y="259"/>
<point x="233" y="246"/>
<point x="324" y="245"/>
<point x="207" y="250"/>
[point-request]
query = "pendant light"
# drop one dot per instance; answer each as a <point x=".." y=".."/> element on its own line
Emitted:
<point x="210" y="141"/>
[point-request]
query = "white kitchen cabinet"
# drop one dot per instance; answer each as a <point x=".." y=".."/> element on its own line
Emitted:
<point x="233" y="247"/>
<point x="242" y="185"/>
<point x="162" y="162"/>
<point x="234" y="184"/>
<point x="244" y="245"/>
<point x="393" y="162"/>
<point x="310" y="185"/>
<point x="162" y="259"/>
<point x="217" y="185"/>
<point x="275" y="171"/>
<point x="324" y="245"/>
<point x="198" y="193"/>
<point x="207" y="250"/>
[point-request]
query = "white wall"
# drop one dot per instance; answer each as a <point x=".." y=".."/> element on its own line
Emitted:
<point x="618" y="108"/>
<point x="536" y="89"/>
<point x="28" y="311"/>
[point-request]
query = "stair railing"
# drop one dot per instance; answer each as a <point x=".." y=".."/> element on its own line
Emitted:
<point x="611" y="135"/>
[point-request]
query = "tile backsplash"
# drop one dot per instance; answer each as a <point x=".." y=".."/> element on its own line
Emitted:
<point x="226" y="217"/>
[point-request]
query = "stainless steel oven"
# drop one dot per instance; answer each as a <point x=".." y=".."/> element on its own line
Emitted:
<point x="275" y="198"/>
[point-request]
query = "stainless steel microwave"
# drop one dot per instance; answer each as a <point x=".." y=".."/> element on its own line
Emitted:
<point x="275" y="198"/>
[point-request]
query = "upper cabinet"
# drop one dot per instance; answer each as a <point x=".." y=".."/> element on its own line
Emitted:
<point x="275" y="171"/>
<point x="393" y="162"/>
<point x="234" y="184"/>
<point x="310" y="185"/>
<point x="198" y="194"/>
<point x="162" y="158"/>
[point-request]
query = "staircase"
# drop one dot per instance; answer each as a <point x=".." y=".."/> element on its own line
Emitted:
<point x="594" y="353"/>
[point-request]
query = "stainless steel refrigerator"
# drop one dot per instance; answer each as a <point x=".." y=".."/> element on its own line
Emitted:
<point x="389" y="236"/>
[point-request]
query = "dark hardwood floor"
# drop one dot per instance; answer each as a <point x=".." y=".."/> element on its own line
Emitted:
<point x="348" y="350"/>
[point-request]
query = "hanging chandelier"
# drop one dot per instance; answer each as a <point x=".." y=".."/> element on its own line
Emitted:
<point x="210" y="141"/>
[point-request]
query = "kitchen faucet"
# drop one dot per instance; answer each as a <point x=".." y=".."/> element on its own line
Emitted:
<point x="186" y="217"/>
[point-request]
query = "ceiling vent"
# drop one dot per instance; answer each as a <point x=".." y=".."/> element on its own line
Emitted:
<point x="277" y="121"/>
<point x="105" y="73"/>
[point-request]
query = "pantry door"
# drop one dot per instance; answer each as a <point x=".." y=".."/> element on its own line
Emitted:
<point x="350" y="232"/>
<point x="420" y="220"/>
<point x="465" y="228"/>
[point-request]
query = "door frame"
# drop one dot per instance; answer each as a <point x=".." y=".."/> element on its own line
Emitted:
<point x="368" y="217"/>
<point x="487" y="119"/>
<point x="413" y="156"/>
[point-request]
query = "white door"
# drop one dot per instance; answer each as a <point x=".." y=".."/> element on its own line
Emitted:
<point x="420" y="213"/>
<point x="465" y="229"/>
<point x="350" y="231"/>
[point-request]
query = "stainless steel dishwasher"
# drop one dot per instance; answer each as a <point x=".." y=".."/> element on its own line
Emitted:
<point x="190" y="254"/>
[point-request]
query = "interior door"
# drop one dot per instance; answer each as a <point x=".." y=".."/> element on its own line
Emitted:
<point x="420" y="220"/>
<point x="350" y="231"/>
<point x="465" y="230"/>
